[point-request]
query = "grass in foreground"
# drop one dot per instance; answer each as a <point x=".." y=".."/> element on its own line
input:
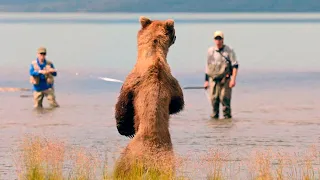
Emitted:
<point x="48" y="159"/>
<point x="139" y="172"/>
<point x="41" y="159"/>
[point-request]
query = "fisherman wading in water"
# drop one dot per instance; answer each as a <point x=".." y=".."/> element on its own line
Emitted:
<point x="221" y="73"/>
<point x="42" y="74"/>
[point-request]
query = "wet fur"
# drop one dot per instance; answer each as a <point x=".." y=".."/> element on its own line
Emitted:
<point x="149" y="95"/>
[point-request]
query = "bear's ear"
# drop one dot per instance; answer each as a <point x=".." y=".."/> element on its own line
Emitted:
<point x="169" y="23"/>
<point x="144" y="21"/>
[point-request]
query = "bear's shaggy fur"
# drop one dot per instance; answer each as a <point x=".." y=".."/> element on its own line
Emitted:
<point x="149" y="95"/>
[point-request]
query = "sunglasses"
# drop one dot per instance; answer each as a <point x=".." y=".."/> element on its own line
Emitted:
<point x="43" y="54"/>
<point x="218" y="38"/>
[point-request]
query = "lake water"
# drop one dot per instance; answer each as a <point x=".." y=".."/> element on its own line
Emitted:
<point x="275" y="102"/>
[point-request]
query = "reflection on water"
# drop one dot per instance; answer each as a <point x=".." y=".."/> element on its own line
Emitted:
<point x="225" y="124"/>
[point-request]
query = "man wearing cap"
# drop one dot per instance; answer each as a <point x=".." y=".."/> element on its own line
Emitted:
<point x="221" y="73"/>
<point x="42" y="74"/>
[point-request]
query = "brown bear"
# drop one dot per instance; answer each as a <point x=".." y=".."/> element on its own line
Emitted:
<point x="148" y="96"/>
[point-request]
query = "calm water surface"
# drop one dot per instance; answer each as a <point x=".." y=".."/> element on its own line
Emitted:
<point x="275" y="103"/>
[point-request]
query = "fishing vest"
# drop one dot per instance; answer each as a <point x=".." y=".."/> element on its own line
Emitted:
<point x="219" y="69"/>
<point x="35" y="79"/>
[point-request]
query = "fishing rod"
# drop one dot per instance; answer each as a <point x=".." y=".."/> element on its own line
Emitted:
<point x="107" y="79"/>
<point x="200" y="87"/>
<point x="19" y="89"/>
<point x="187" y="87"/>
<point x="119" y="81"/>
<point x="110" y="79"/>
<point x="194" y="87"/>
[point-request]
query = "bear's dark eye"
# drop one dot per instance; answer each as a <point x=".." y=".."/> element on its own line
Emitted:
<point x="169" y="32"/>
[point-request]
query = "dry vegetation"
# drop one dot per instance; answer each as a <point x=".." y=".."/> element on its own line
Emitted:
<point x="49" y="159"/>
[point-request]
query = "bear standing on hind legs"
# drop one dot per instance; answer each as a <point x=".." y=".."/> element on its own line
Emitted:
<point x="149" y="95"/>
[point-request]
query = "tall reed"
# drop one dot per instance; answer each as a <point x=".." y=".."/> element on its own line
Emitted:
<point x="50" y="159"/>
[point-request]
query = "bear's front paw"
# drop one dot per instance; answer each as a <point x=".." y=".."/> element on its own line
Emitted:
<point x="176" y="105"/>
<point x="130" y="136"/>
<point x="125" y="131"/>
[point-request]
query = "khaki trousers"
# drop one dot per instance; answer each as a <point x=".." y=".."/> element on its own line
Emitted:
<point x="220" y="92"/>
<point x="49" y="94"/>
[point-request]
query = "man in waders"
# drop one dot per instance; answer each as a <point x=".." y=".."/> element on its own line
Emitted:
<point x="221" y="73"/>
<point x="42" y="74"/>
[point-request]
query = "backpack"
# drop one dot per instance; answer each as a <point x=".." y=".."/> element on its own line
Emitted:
<point x="219" y="71"/>
<point x="35" y="79"/>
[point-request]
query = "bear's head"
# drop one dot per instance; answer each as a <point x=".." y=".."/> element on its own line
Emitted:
<point x="156" y="32"/>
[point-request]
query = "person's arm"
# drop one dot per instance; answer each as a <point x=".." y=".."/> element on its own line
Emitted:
<point x="206" y="73"/>
<point x="235" y="66"/>
<point x="206" y="80"/>
<point x="234" y="73"/>
<point x="206" y="77"/>
<point x="33" y="72"/>
<point x="53" y="70"/>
